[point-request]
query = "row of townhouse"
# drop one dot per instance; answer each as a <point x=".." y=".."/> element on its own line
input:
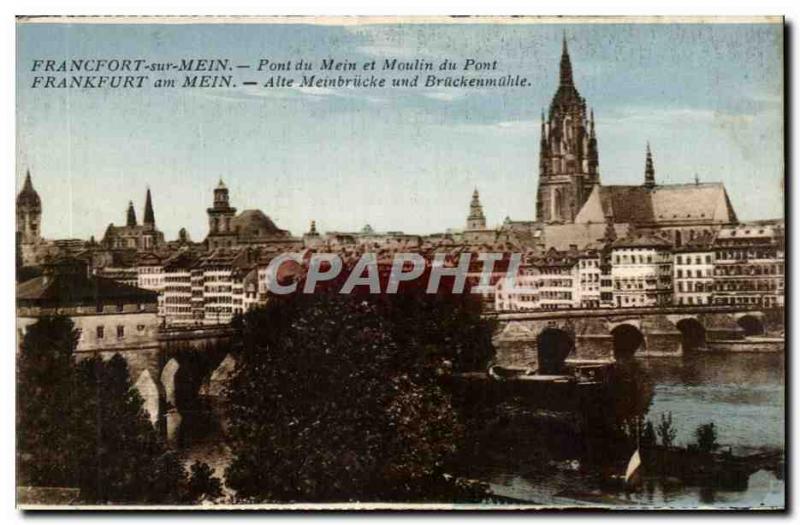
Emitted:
<point x="203" y="288"/>
<point x="739" y="265"/>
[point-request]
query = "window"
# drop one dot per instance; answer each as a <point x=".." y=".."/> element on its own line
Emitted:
<point x="120" y="331"/>
<point x="120" y="307"/>
<point x="100" y="332"/>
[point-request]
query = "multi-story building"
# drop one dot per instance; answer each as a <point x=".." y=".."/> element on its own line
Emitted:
<point x="198" y="287"/>
<point x="177" y="289"/>
<point x="693" y="279"/>
<point x="108" y="315"/>
<point x="150" y="275"/>
<point x="557" y="279"/>
<point x="749" y="265"/>
<point x="642" y="271"/>
<point x="589" y="278"/>
<point x="223" y="290"/>
<point x="519" y="293"/>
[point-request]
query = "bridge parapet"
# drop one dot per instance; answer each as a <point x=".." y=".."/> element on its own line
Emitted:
<point x="606" y="333"/>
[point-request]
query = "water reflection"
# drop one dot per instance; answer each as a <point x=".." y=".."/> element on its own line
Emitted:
<point x="541" y="457"/>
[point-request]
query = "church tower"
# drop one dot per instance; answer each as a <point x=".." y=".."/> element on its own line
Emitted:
<point x="149" y="216"/>
<point x="568" y="160"/>
<point x="476" y="220"/>
<point x="220" y="216"/>
<point x="29" y="213"/>
<point x="649" y="171"/>
<point x="130" y="220"/>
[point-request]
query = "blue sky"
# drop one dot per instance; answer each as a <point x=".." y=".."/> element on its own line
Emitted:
<point x="707" y="97"/>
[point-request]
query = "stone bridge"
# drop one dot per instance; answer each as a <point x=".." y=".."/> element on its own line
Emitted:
<point x="180" y="377"/>
<point x="538" y="338"/>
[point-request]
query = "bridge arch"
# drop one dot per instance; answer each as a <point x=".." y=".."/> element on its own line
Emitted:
<point x="751" y="324"/>
<point x="693" y="334"/>
<point x="627" y="339"/>
<point x="553" y="346"/>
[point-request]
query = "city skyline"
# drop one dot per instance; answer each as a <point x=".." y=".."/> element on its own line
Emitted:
<point x="447" y="142"/>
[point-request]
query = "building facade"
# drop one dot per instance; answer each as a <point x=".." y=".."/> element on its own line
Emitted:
<point x="107" y="314"/>
<point x="642" y="272"/>
<point x="694" y="274"/>
<point x="750" y="265"/>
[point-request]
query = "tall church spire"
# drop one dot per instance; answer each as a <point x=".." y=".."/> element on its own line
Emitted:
<point x="649" y="171"/>
<point x="568" y="159"/>
<point x="131" y="215"/>
<point x="149" y="216"/>
<point x="566" y="65"/>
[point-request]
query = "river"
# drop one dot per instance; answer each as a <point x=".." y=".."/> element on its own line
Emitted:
<point x="742" y="394"/>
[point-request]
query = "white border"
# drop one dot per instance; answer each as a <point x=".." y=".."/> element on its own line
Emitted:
<point x="313" y="7"/>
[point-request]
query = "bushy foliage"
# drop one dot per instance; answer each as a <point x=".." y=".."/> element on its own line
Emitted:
<point x="337" y="398"/>
<point x="83" y="425"/>
<point x="202" y="484"/>
<point x="648" y="435"/>
<point x="666" y="432"/>
<point x="706" y="436"/>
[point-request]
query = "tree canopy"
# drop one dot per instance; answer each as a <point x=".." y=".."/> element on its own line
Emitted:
<point x="83" y="425"/>
<point x="337" y="398"/>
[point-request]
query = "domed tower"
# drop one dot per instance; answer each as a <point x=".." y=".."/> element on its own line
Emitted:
<point x="29" y="213"/>
<point x="568" y="160"/>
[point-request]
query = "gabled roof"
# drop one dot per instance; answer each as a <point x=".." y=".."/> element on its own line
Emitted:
<point x="78" y="289"/>
<point x="662" y="205"/>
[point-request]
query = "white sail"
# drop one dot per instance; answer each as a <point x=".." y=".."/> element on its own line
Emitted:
<point x="633" y="465"/>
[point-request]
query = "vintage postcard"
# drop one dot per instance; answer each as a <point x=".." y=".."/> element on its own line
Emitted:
<point x="400" y="263"/>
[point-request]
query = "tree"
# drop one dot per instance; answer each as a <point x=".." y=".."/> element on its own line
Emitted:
<point x="648" y="435"/>
<point x="706" y="436"/>
<point x="202" y="483"/>
<point x="83" y="425"/>
<point x="50" y="444"/>
<point x="666" y="432"/>
<point x="326" y="405"/>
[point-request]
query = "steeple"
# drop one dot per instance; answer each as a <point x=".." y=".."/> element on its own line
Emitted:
<point x="476" y="220"/>
<point x="568" y="158"/>
<point x="566" y="65"/>
<point x="149" y="217"/>
<point x="28" y="185"/>
<point x="28" y="196"/>
<point x="649" y="171"/>
<point x="29" y="212"/>
<point x="131" y="215"/>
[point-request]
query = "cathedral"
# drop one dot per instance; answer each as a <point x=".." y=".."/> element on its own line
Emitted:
<point x="134" y="236"/>
<point x="574" y="208"/>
